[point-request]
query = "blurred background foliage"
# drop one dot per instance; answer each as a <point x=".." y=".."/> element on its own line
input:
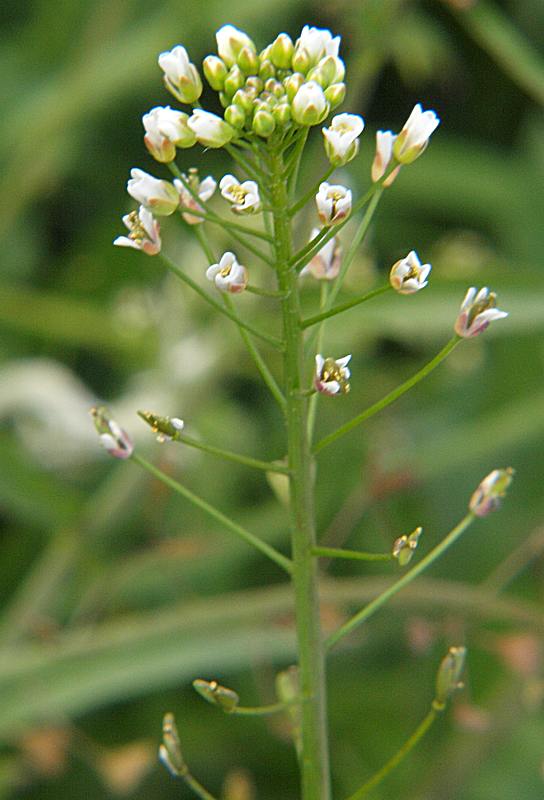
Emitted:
<point x="115" y="594"/>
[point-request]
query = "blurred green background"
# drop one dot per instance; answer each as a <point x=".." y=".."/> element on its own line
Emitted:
<point x="115" y="594"/>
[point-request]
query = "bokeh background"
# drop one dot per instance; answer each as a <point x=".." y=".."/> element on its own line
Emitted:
<point x="115" y="594"/>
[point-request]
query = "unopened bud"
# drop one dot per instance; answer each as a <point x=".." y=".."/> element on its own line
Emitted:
<point x="281" y="51"/>
<point x="448" y="676"/>
<point x="405" y="546"/>
<point x="267" y="70"/>
<point x="112" y="437"/>
<point x="170" y="750"/>
<point x="230" y="42"/>
<point x="263" y="123"/>
<point x="215" y="71"/>
<point x="217" y="695"/>
<point x="255" y="83"/>
<point x="282" y="114"/>
<point x="292" y="84"/>
<point x="235" y="116"/>
<point x="301" y="60"/>
<point x="166" y="428"/>
<point x="309" y="106"/>
<point x="248" y="61"/>
<point x="335" y="94"/>
<point x="488" y="495"/>
<point x="234" y="80"/>
<point x="180" y="76"/>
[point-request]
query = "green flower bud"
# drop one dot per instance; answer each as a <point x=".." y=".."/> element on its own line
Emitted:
<point x="234" y="80"/>
<point x="282" y="114"/>
<point x="248" y="61"/>
<point x="263" y="123"/>
<point x="267" y="70"/>
<point x="166" y="428"/>
<point x="448" y="676"/>
<point x="281" y="51"/>
<point x="217" y="695"/>
<point x="224" y="99"/>
<point x="215" y="71"/>
<point x="404" y="547"/>
<point x="301" y="60"/>
<point x="336" y="94"/>
<point x="309" y="106"/>
<point x="244" y="99"/>
<point x="255" y="84"/>
<point x="292" y="84"/>
<point x="264" y="55"/>
<point x="272" y="85"/>
<point x="170" y="750"/>
<point x="235" y="116"/>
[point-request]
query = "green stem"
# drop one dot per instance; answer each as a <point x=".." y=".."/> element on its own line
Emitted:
<point x="354" y="555"/>
<point x="238" y="458"/>
<point x="356" y="301"/>
<point x="242" y="533"/>
<point x="399" y="756"/>
<point x="263" y="292"/>
<point x="314" y="758"/>
<point x="389" y="398"/>
<point x="215" y="219"/>
<point x="407" y="578"/>
<point x="271" y="340"/>
<point x="196" y="786"/>
<point x="314" y="395"/>
<point x="258" y="711"/>
<point x="294" y="166"/>
<point x="209" y="254"/>
<point x="311" y="194"/>
<point x="251" y="169"/>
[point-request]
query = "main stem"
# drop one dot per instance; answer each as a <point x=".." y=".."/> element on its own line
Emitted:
<point x="314" y="758"/>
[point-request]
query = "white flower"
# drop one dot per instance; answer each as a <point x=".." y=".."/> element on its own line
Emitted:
<point x="382" y="159"/>
<point x="325" y="265"/>
<point x="230" y="41"/>
<point x="478" y="309"/>
<point x="332" y="375"/>
<point x="243" y="196"/>
<point x="309" y="106"/>
<point x="209" y="129"/>
<point x="414" y="137"/>
<point x="180" y="76"/>
<point x="333" y="203"/>
<point x="160" y="196"/>
<point x="408" y="275"/>
<point x="144" y="232"/>
<point x="112" y="437"/>
<point x="204" y="189"/>
<point x="317" y="42"/>
<point x="341" y="142"/>
<point x="228" y="275"/>
<point x="166" y="129"/>
<point x="487" y="496"/>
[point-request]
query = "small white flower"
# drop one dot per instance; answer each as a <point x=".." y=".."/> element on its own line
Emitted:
<point x="228" y="275"/>
<point x="341" y="142"/>
<point x="488" y="495"/>
<point x="160" y="196"/>
<point x="204" y="189"/>
<point x="409" y="275"/>
<point x="209" y="129"/>
<point x="144" y="232"/>
<point x="333" y="203"/>
<point x="165" y="130"/>
<point x="317" y="42"/>
<point x="382" y="159"/>
<point x="112" y="437"/>
<point x="478" y="309"/>
<point x="244" y="196"/>
<point x="414" y="137"/>
<point x="230" y="41"/>
<point x="332" y="375"/>
<point x="180" y="76"/>
<point x="325" y="265"/>
<point x="309" y="106"/>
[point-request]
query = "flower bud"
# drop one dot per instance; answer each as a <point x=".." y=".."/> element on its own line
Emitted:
<point x="478" y="309"/>
<point x="235" y="116"/>
<point x="230" y="41"/>
<point x="328" y="71"/>
<point x="203" y="189"/>
<point x="301" y="61"/>
<point x="282" y="114"/>
<point x="215" y="71"/>
<point x="448" y="676"/>
<point x="160" y="196"/>
<point x="263" y="123"/>
<point x="228" y="275"/>
<point x="217" y="695"/>
<point x="281" y="51"/>
<point x="170" y="754"/>
<point x="144" y="232"/>
<point x="209" y="129"/>
<point x="166" y="129"/>
<point x="248" y="60"/>
<point x="234" y="80"/>
<point x="267" y="70"/>
<point x="414" y="137"/>
<point x="244" y="98"/>
<point x="333" y="203"/>
<point x="408" y="275"/>
<point x="243" y="196"/>
<point x="255" y="83"/>
<point x="332" y="375"/>
<point x="166" y="428"/>
<point x="341" y="142"/>
<point x="383" y="157"/>
<point x="181" y="78"/>
<point x="488" y="495"/>
<point x="112" y="437"/>
<point x="317" y="42"/>
<point x="309" y="106"/>
<point x="292" y="84"/>
<point x="335" y="94"/>
<point x="405" y="546"/>
<point x="325" y="265"/>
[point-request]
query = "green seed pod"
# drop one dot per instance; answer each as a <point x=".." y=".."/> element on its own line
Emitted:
<point x="215" y="71"/>
<point x="267" y="70"/>
<point x="235" y="116"/>
<point x="263" y="123"/>
<point x="292" y="84"/>
<point x="448" y="676"/>
<point x="248" y="61"/>
<point x="335" y="94"/>
<point x="234" y="80"/>
<point x="281" y="51"/>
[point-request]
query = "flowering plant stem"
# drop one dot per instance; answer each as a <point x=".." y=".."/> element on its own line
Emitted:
<point x="354" y="555"/>
<point x="314" y="756"/>
<point x="356" y="301"/>
<point x="407" y="578"/>
<point x="389" y="398"/>
<point x="250" y="538"/>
